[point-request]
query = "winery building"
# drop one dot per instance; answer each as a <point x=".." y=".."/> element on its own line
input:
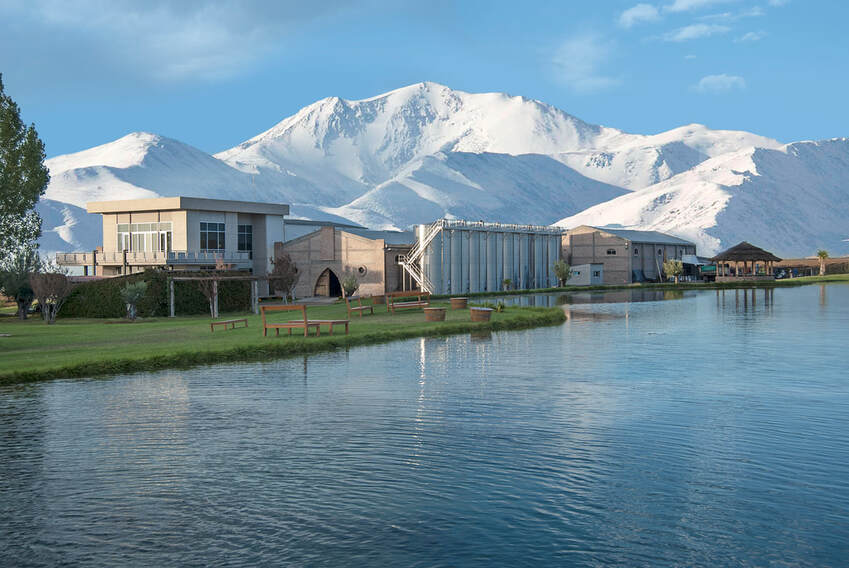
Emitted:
<point x="628" y="256"/>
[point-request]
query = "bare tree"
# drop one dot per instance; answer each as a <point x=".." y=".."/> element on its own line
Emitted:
<point x="284" y="275"/>
<point x="209" y="288"/>
<point x="51" y="289"/>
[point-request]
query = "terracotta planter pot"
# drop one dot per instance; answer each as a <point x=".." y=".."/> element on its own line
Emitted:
<point x="459" y="303"/>
<point x="481" y="314"/>
<point x="434" y="314"/>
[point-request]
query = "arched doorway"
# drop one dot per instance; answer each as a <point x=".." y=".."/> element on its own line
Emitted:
<point x="328" y="284"/>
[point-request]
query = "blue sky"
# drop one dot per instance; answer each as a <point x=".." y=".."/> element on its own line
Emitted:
<point x="215" y="73"/>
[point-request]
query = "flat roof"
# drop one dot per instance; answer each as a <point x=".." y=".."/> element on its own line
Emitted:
<point x="186" y="203"/>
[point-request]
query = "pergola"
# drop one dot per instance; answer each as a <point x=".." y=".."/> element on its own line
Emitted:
<point x="254" y="280"/>
<point x="745" y="258"/>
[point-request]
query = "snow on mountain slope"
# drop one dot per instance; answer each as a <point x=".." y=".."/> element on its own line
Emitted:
<point x="494" y="187"/>
<point x="370" y="141"/>
<point x="426" y="151"/>
<point x="140" y="165"/>
<point x="634" y="161"/>
<point x="67" y="227"/>
<point x="792" y="201"/>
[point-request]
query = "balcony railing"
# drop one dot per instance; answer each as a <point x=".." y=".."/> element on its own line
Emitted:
<point x="150" y="258"/>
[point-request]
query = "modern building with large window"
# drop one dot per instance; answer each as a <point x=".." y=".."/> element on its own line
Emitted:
<point x="182" y="233"/>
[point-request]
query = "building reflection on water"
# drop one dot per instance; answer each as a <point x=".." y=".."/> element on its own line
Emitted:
<point x="746" y="300"/>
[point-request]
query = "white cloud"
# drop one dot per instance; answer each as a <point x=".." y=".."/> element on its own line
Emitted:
<point x="695" y="31"/>
<point x="720" y="83"/>
<point x="689" y="56"/>
<point x="778" y="2"/>
<point x="579" y="61"/>
<point x="637" y="14"/>
<point x="751" y="36"/>
<point x="167" y="39"/>
<point x="689" y="5"/>
<point x="755" y="12"/>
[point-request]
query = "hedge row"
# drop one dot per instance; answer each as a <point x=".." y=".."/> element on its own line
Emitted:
<point x="102" y="298"/>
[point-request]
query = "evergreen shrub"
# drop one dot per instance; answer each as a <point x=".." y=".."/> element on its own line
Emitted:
<point x="102" y="298"/>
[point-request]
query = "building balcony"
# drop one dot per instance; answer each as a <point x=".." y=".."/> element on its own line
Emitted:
<point x="153" y="258"/>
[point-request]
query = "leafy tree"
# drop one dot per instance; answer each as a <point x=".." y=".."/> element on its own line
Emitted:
<point x="14" y="279"/>
<point x="50" y="289"/>
<point x="563" y="271"/>
<point x="284" y="275"/>
<point x="132" y="294"/>
<point x="674" y="268"/>
<point x="350" y="285"/>
<point x="23" y="178"/>
<point x="822" y="254"/>
<point x="507" y="284"/>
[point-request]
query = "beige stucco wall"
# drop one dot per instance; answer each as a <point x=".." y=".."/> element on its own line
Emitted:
<point x="591" y="246"/>
<point x="343" y="253"/>
<point x="586" y="245"/>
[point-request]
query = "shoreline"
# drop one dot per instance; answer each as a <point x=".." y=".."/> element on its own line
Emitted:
<point x="787" y="282"/>
<point x="271" y="348"/>
<point x="86" y="362"/>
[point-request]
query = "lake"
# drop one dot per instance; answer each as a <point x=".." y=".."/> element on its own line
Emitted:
<point x="703" y="428"/>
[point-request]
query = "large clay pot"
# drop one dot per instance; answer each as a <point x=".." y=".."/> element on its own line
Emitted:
<point x="459" y="303"/>
<point x="481" y="314"/>
<point x="434" y="314"/>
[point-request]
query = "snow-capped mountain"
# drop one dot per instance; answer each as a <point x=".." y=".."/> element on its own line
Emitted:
<point x="416" y="154"/>
<point x="791" y="200"/>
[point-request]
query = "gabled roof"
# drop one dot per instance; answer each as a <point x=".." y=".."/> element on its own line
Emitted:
<point x="745" y="251"/>
<point x="652" y="237"/>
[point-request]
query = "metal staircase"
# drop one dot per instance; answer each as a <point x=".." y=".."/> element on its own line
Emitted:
<point x="412" y="263"/>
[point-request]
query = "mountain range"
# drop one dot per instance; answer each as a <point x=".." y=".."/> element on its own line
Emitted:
<point x="426" y="151"/>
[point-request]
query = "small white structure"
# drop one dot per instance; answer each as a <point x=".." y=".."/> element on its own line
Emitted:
<point x="586" y="275"/>
<point x="460" y="257"/>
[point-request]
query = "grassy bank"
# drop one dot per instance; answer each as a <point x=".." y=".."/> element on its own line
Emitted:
<point x="74" y="347"/>
<point x="668" y="286"/>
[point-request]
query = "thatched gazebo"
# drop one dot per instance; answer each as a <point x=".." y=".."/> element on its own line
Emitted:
<point x="744" y="261"/>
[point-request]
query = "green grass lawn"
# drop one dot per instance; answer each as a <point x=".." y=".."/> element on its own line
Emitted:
<point x="88" y="347"/>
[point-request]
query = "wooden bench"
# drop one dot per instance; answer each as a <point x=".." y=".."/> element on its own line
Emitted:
<point x="359" y="307"/>
<point x="404" y="300"/>
<point x="224" y="323"/>
<point x="300" y="323"/>
<point x="331" y="323"/>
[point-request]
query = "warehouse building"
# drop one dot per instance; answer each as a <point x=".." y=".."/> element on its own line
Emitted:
<point x="461" y="257"/>
<point x="628" y="256"/>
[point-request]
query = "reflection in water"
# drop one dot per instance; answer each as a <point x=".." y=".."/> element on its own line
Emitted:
<point x="654" y="434"/>
<point x="823" y="301"/>
<point x="628" y="295"/>
<point x="747" y="300"/>
<point x="485" y="335"/>
<point x="588" y="315"/>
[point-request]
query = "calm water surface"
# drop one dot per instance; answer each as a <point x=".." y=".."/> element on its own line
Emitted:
<point x="708" y="430"/>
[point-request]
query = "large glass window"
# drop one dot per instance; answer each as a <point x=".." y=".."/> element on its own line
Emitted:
<point x="144" y="236"/>
<point x="246" y="238"/>
<point x="212" y="236"/>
